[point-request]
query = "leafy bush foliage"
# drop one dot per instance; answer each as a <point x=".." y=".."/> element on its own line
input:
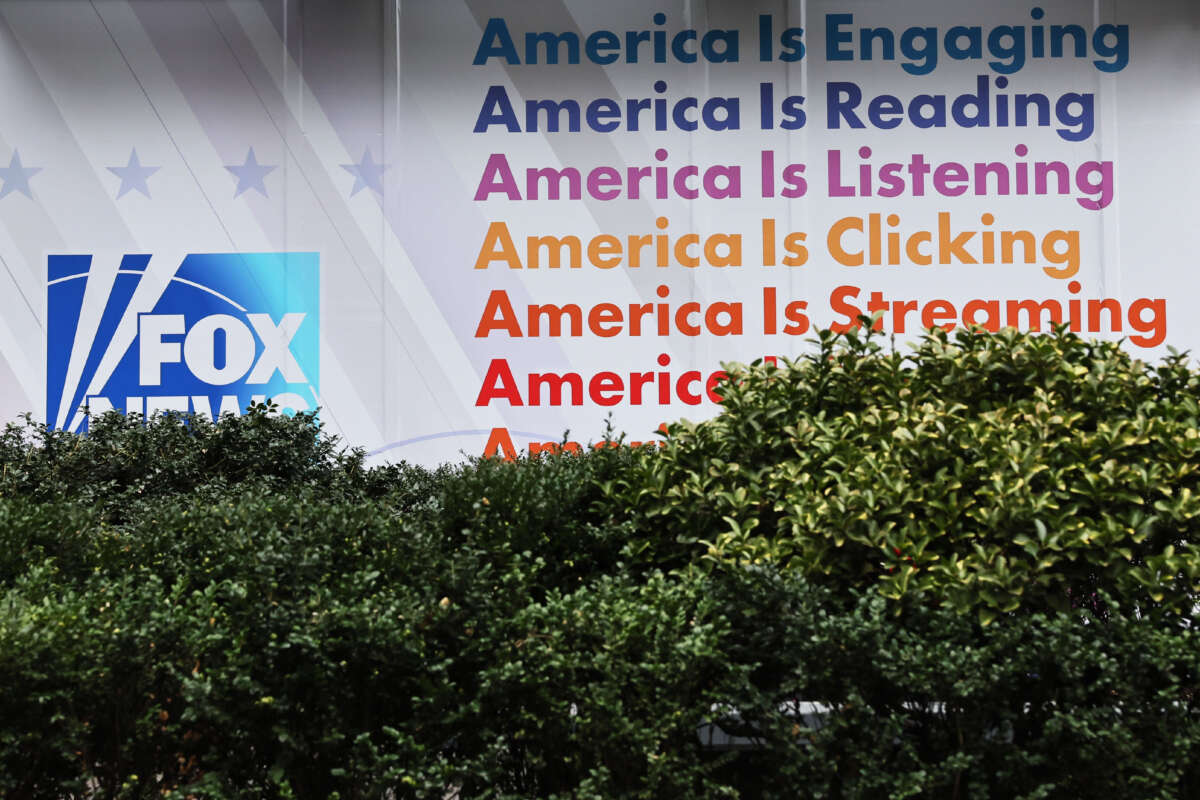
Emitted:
<point x="125" y="461"/>
<point x="245" y="610"/>
<point x="988" y="472"/>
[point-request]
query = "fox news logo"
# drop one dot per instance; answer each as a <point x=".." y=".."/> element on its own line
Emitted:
<point x="201" y="333"/>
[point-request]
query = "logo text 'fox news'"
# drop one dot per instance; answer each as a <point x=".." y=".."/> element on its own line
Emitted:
<point x="205" y="333"/>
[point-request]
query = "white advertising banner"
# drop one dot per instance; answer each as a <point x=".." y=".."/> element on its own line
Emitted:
<point x="460" y="227"/>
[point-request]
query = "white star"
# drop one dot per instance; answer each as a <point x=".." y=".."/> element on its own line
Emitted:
<point x="133" y="175"/>
<point x="16" y="177"/>
<point x="250" y="174"/>
<point x="366" y="173"/>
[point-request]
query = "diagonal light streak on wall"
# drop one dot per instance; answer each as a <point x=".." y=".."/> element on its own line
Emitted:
<point x="362" y="211"/>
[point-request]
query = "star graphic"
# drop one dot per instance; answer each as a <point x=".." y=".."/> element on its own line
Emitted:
<point x="133" y="175"/>
<point x="366" y="173"/>
<point x="250" y="174"/>
<point x="16" y="177"/>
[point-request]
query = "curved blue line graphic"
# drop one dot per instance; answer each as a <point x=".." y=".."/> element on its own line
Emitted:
<point x="448" y="434"/>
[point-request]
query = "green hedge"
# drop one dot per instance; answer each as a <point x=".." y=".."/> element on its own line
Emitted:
<point x="985" y="472"/>
<point x="245" y="610"/>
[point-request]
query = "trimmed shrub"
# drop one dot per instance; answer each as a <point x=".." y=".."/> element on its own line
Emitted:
<point x="126" y="460"/>
<point x="244" y="610"/>
<point x="987" y="472"/>
<point x="932" y="704"/>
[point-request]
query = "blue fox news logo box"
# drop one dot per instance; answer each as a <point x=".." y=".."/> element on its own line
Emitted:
<point x="202" y="333"/>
